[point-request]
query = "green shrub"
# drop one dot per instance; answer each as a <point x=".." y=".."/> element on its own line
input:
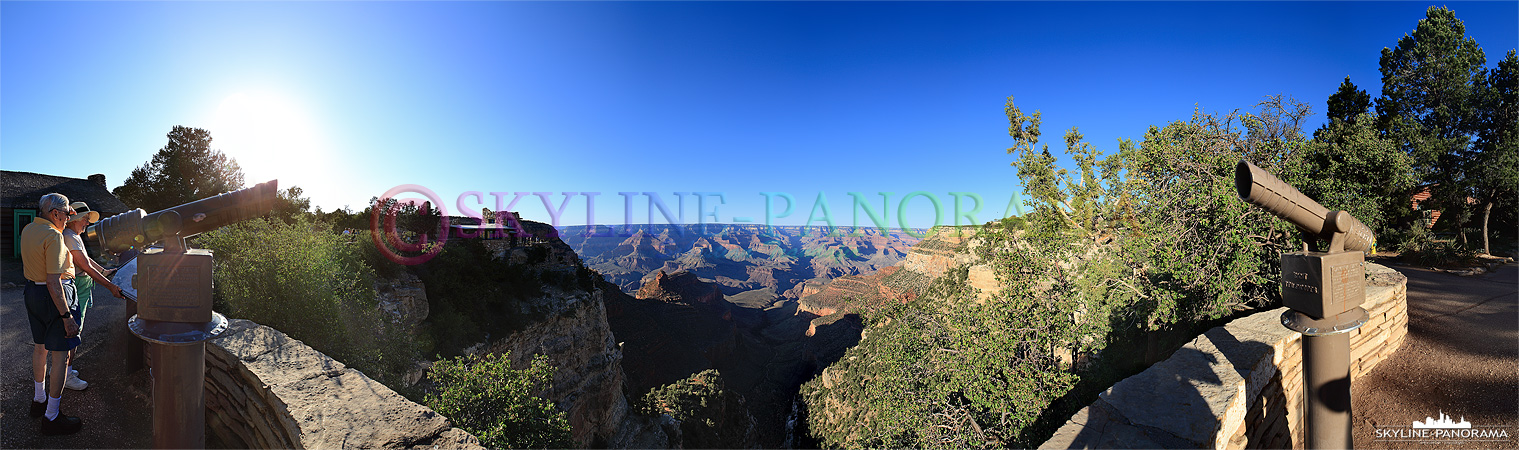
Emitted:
<point x="312" y="284"/>
<point x="383" y="266"/>
<point x="711" y="415"/>
<point x="488" y="398"/>
<point x="1420" y="247"/>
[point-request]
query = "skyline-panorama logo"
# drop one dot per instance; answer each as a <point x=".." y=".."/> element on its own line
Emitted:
<point x="1444" y="429"/>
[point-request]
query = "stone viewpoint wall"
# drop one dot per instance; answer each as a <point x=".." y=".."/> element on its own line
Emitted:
<point x="266" y="390"/>
<point x="1236" y="386"/>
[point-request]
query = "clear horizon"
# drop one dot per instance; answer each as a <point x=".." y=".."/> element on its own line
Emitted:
<point x="348" y="100"/>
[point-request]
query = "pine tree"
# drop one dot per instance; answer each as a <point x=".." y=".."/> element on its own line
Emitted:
<point x="1430" y="105"/>
<point x="184" y="170"/>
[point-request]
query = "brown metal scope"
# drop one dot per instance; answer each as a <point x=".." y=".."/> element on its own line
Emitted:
<point x="137" y="229"/>
<point x="1342" y="231"/>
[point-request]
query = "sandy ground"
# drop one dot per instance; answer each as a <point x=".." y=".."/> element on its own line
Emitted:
<point x="116" y="409"/>
<point x="1461" y="357"/>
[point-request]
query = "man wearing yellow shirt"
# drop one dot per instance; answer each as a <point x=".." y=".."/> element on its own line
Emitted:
<point x="51" y="308"/>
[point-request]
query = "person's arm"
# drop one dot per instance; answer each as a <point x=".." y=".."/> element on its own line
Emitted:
<point x="55" y="289"/>
<point x="95" y="272"/>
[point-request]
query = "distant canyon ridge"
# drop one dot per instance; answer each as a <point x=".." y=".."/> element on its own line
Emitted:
<point x="751" y="264"/>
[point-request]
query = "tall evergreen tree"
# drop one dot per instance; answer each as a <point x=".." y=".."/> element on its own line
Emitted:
<point x="1494" y="170"/>
<point x="184" y="170"/>
<point x="1430" y="104"/>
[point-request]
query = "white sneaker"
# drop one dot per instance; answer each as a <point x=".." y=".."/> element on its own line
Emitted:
<point x="73" y="381"/>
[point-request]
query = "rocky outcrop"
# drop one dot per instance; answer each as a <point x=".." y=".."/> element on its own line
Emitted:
<point x="403" y="300"/>
<point x="676" y="326"/>
<point x="939" y="252"/>
<point x="853" y="293"/>
<point x="588" y="377"/>
<point x="560" y="315"/>
<point x="684" y="288"/>
<point x="944" y="249"/>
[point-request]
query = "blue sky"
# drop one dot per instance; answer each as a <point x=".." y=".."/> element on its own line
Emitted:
<point x="350" y="99"/>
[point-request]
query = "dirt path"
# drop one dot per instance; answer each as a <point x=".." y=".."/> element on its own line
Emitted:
<point x="116" y="409"/>
<point x="1461" y="358"/>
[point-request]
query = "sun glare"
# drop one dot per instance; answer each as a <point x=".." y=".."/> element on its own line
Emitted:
<point x="271" y="137"/>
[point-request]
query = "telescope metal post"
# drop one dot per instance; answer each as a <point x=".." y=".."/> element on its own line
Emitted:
<point x="179" y="377"/>
<point x="1326" y="375"/>
<point x="1326" y="372"/>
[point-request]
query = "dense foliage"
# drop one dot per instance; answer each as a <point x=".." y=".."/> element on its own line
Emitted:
<point x="710" y="414"/>
<point x="488" y="398"/>
<point x="312" y="284"/>
<point x="183" y="171"/>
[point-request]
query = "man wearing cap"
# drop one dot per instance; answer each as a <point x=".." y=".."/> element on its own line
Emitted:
<point x="83" y="286"/>
<point x="50" y="308"/>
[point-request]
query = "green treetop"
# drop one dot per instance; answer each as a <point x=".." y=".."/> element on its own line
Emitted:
<point x="185" y="170"/>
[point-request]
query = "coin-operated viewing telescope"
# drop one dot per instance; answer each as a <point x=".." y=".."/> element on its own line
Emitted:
<point x="1323" y="291"/>
<point x="173" y="303"/>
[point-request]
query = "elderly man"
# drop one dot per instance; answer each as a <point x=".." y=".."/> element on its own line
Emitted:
<point x="83" y="286"/>
<point x="51" y="308"/>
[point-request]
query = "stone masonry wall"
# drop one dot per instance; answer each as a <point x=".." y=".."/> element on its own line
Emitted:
<point x="1236" y="386"/>
<point x="266" y="390"/>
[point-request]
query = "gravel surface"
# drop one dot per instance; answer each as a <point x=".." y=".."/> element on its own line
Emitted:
<point x="1461" y="357"/>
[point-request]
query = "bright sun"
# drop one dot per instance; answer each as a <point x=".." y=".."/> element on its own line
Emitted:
<point x="271" y="137"/>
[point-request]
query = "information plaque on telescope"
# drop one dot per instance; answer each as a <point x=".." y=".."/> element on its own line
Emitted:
<point x="1323" y="284"/>
<point x="173" y="286"/>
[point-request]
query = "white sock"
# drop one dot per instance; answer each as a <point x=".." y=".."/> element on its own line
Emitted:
<point x="52" y="408"/>
<point x="68" y="370"/>
<point x="39" y="391"/>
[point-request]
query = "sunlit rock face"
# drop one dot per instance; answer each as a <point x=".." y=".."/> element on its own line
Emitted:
<point x="940" y="251"/>
<point x="588" y="378"/>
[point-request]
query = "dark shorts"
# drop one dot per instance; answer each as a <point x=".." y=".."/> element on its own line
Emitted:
<point x="47" y="327"/>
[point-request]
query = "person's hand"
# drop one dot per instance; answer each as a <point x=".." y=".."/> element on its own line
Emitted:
<point x="111" y="272"/>
<point x="116" y="291"/>
<point x="70" y="328"/>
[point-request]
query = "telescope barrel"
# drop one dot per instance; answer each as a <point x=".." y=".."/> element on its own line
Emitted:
<point x="137" y="229"/>
<point x="1260" y="188"/>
